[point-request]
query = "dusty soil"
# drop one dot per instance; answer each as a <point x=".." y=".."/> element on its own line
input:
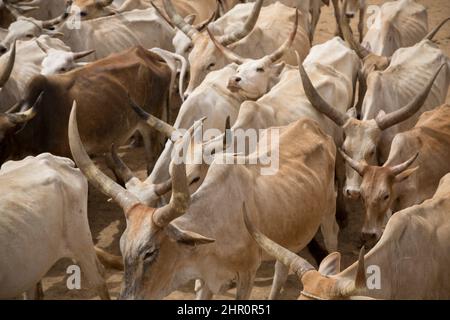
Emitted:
<point x="107" y="221"/>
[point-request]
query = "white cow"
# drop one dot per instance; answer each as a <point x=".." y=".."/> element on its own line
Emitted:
<point x="42" y="55"/>
<point x="43" y="203"/>
<point x="241" y="30"/>
<point x="397" y="24"/>
<point x="105" y="35"/>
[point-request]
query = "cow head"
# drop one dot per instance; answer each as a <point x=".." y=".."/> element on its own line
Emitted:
<point x="9" y="121"/>
<point x="205" y="56"/>
<point x="352" y="7"/>
<point x="362" y="136"/>
<point x="25" y="28"/>
<point x="322" y="284"/>
<point x="60" y="61"/>
<point x="377" y="192"/>
<point x="152" y="246"/>
<point x="255" y="77"/>
<point x="91" y="9"/>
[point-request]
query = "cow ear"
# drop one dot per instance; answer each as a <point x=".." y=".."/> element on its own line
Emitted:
<point x="278" y="68"/>
<point x="352" y="112"/>
<point x="331" y="264"/>
<point x="190" y="19"/>
<point x="186" y="237"/>
<point x="405" y="174"/>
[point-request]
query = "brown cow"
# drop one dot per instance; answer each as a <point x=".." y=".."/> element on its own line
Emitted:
<point x="100" y="89"/>
<point x="397" y="185"/>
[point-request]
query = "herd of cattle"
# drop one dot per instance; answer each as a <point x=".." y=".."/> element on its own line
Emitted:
<point x="359" y="119"/>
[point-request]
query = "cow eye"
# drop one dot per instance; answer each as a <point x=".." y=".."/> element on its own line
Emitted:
<point x="29" y="36"/>
<point x="83" y="13"/>
<point x="150" y="255"/>
<point x="260" y="69"/>
<point x="386" y="196"/>
<point x="189" y="48"/>
<point x="211" y="65"/>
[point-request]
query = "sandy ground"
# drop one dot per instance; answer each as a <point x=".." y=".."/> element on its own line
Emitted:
<point x="107" y="221"/>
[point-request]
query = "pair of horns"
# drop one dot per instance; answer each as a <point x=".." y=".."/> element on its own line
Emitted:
<point x="75" y="55"/>
<point x="299" y="265"/>
<point x="273" y="57"/>
<point x="384" y="121"/>
<point x="225" y="40"/>
<point x="179" y="201"/>
<point x="361" y="166"/>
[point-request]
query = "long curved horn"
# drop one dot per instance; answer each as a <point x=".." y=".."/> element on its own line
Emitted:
<point x="433" y="32"/>
<point x="299" y="265"/>
<point x="356" y="165"/>
<point x="316" y="100"/>
<point x="157" y="124"/>
<point x="82" y="54"/>
<point x="388" y="120"/>
<point x="399" y="168"/>
<point x="360" y="277"/>
<point x="178" y="21"/>
<point x="126" y="174"/>
<point x="25" y="116"/>
<point x="348" y="36"/>
<point x="5" y="71"/>
<point x="123" y="197"/>
<point x="248" y="26"/>
<point x="281" y="51"/>
<point x="180" y="199"/>
<point x="120" y="167"/>
<point x="47" y="24"/>
<point x="216" y="14"/>
<point x="230" y="55"/>
<point x="159" y="12"/>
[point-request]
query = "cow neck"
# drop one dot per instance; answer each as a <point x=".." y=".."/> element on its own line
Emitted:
<point x="227" y="94"/>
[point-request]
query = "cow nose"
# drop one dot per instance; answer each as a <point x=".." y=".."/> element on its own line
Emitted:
<point x="350" y="15"/>
<point x="368" y="239"/>
<point x="3" y="49"/>
<point x="351" y="193"/>
<point x="237" y="79"/>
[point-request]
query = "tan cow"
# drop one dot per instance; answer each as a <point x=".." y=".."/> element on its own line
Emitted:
<point x="44" y="218"/>
<point x="416" y="242"/>
<point x="398" y="184"/>
<point x="395" y="97"/>
<point x="397" y="24"/>
<point x="254" y="38"/>
<point x="161" y="247"/>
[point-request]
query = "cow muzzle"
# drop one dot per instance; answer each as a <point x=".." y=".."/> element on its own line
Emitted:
<point x="351" y="193"/>
<point x="233" y="84"/>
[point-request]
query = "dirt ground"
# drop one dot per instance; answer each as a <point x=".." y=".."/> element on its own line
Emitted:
<point x="107" y="221"/>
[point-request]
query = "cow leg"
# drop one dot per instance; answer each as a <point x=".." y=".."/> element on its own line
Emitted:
<point x="244" y="285"/>
<point x="151" y="145"/>
<point x="337" y="17"/>
<point x="202" y="291"/>
<point x="362" y="12"/>
<point x="279" y="279"/>
<point x="330" y="230"/>
<point x="93" y="271"/>
<point x="317" y="251"/>
<point x="35" y="293"/>
<point x="110" y="164"/>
